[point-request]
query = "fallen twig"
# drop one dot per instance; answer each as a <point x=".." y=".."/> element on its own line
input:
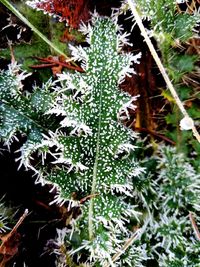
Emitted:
<point x="186" y="118"/>
<point x="194" y="226"/>
<point x="10" y="242"/>
<point x="128" y="243"/>
<point x="52" y="62"/>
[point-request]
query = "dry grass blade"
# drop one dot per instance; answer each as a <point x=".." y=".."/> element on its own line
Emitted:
<point x="162" y="69"/>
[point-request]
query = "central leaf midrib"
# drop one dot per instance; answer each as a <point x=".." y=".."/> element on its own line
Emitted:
<point x="94" y="177"/>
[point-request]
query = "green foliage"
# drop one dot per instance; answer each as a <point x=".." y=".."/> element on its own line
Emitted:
<point x="172" y="29"/>
<point x="78" y="121"/>
<point x="98" y="146"/>
<point x="4" y="213"/>
<point x="184" y="25"/>
<point x="179" y="192"/>
<point x="169" y="238"/>
<point x="23" y="113"/>
<point x="177" y="173"/>
<point x="25" y="51"/>
<point x="93" y="160"/>
<point x="167" y="22"/>
<point x="180" y="65"/>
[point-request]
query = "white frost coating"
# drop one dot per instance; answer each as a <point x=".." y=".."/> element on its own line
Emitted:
<point x="123" y="112"/>
<point x="94" y="17"/>
<point x="122" y="189"/>
<point x="69" y="82"/>
<point x="25" y="157"/>
<point x="60" y="240"/>
<point x="136" y="171"/>
<point x="86" y="30"/>
<point x="97" y="252"/>
<point x="76" y="155"/>
<point x="57" y="111"/>
<point x="78" y="53"/>
<point x="82" y="89"/>
<point x="78" y="166"/>
<point x="125" y="148"/>
<point x="14" y="69"/>
<point x="79" y="128"/>
<point x="33" y="3"/>
<point x="122" y="39"/>
<point x="64" y="77"/>
<point x="127" y="70"/>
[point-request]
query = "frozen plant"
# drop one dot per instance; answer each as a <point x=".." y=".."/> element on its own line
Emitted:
<point x="3" y="217"/>
<point x="170" y="237"/>
<point x="93" y="163"/>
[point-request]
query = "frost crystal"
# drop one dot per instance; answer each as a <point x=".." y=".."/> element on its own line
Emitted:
<point x="79" y="124"/>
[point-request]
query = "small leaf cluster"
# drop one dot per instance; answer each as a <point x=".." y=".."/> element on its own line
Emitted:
<point x="166" y="194"/>
<point x="168" y="21"/>
<point x="169" y="236"/>
<point x="22" y="112"/>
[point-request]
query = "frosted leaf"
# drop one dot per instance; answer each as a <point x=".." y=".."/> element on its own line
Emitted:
<point x="86" y="30"/>
<point x="87" y="142"/>
<point x="78" y="53"/>
<point x="123" y="40"/>
<point x="127" y="70"/>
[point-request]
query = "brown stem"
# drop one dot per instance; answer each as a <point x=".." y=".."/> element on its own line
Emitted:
<point x="156" y="134"/>
<point x="57" y="62"/>
<point x="194" y="226"/>
<point x="88" y="197"/>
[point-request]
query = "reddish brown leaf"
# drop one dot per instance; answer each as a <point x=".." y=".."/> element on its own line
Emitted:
<point x="67" y="36"/>
<point x="71" y="11"/>
<point x="56" y="64"/>
<point x="10" y="242"/>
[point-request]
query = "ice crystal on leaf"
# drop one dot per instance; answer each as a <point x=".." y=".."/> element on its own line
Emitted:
<point x="90" y="146"/>
<point x="3" y="217"/>
<point x="92" y="104"/>
<point x="23" y="114"/>
<point x="176" y="192"/>
<point x="180" y="182"/>
<point x="166" y="19"/>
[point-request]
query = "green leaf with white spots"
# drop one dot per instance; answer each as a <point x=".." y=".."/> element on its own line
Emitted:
<point x="91" y="148"/>
<point x="23" y="114"/>
<point x="95" y="157"/>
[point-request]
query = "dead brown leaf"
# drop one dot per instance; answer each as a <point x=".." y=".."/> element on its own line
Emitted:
<point x="10" y="242"/>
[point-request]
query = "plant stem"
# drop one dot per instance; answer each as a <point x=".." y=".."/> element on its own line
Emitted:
<point x="91" y="205"/>
<point x="194" y="226"/>
<point x="128" y="243"/>
<point x="160" y="65"/>
<point x="34" y="29"/>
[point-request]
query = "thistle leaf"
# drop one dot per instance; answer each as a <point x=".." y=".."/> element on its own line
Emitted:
<point x="22" y="114"/>
<point x="95" y="158"/>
